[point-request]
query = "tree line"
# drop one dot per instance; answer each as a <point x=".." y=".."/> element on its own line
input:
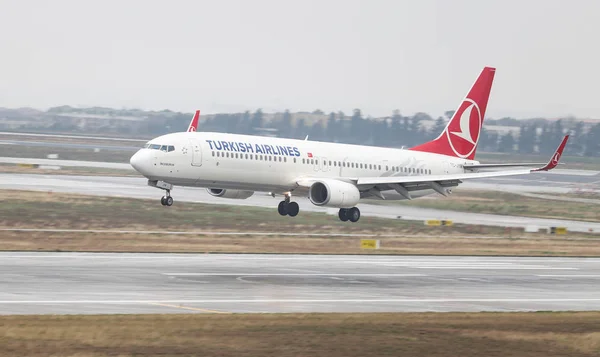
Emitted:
<point x="537" y="136"/>
<point x="530" y="136"/>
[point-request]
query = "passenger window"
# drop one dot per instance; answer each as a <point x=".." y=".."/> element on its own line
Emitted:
<point x="379" y="167"/>
<point x="312" y="162"/>
<point x="294" y="160"/>
<point x="246" y="156"/>
<point x="329" y="162"/>
<point x="386" y="168"/>
<point x="285" y="159"/>
<point x="213" y="153"/>
<point x="303" y="161"/>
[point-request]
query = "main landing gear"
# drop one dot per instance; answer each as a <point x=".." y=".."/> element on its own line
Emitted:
<point x="287" y="208"/>
<point x="349" y="214"/>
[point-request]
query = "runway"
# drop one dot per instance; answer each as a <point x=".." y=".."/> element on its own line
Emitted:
<point x="137" y="188"/>
<point x="80" y="283"/>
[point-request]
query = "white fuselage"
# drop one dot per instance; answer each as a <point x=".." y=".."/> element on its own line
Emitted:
<point x="256" y="163"/>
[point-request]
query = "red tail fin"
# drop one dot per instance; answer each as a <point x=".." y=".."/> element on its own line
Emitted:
<point x="194" y="123"/>
<point x="461" y="135"/>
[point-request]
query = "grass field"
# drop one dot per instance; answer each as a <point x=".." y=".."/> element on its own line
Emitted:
<point x="62" y="211"/>
<point x="281" y="335"/>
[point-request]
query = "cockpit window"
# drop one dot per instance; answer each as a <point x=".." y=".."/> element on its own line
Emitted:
<point x="154" y="146"/>
<point x="163" y="148"/>
<point x="147" y="145"/>
<point x="171" y="148"/>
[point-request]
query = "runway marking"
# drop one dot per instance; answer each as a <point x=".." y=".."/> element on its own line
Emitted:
<point x="379" y="260"/>
<point x="245" y="301"/>
<point x="295" y="274"/>
<point x="210" y="311"/>
<point x="569" y="276"/>
<point x="109" y="231"/>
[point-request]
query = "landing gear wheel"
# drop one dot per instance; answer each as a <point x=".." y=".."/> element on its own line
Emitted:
<point x="343" y="214"/>
<point x="163" y="201"/>
<point x="354" y="214"/>
<point x="293" y="209"/>
<point x="283" y="208"/>
<point x="169" y="201"/>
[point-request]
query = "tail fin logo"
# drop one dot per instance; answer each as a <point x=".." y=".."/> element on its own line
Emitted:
<point x="464" y="129"/>
<point x="556" y="158"/>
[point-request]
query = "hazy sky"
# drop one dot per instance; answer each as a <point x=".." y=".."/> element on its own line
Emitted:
<point x="334" y="55"/>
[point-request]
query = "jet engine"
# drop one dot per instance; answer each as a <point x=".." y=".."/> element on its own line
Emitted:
<point x="333" y="193"/>
<point x="233" y="194"/>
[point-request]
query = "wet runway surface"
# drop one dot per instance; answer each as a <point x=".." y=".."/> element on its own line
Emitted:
<point x="89" y="283"/>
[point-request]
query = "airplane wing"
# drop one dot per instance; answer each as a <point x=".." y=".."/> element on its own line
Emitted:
<point x="499" y="166"/>
<point x="439" y="183"/>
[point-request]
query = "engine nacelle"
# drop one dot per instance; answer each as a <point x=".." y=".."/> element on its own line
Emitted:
<point x="233" y="194"/>
<point x="333" y="193"/>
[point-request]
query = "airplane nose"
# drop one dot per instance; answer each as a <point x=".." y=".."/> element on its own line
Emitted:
<point x="136" y="162"/>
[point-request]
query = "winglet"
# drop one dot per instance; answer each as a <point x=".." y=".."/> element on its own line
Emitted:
<point x="556" y="157"/>
<point x="194" y="123"/>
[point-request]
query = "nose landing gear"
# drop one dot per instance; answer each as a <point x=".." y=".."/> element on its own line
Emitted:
<point x="165" y="200"/>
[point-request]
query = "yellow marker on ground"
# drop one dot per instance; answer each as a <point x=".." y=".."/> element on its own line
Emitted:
<point x="369" y="243"/>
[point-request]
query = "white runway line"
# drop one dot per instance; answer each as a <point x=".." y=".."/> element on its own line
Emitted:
<point x="296" y="274"/>
<point x="108" y="231"/>
<point x="567" y="276"/>
<point x="245" y="301"/>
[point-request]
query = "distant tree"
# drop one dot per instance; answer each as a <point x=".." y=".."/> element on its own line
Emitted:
<point x="285" y="128"/>
<point x="449" y="113"/>
<point x="331" y="132"/>
<point x="488" y="141"/>
<point x="317" y="132"/>
<point x="527" y="139"/>
<point x="438" y="128"/>
<point x="318" y="112"/>
<point x="257" y="120"/>
<point x="592" y="141"/>
<point x="507" y="143"/>
<point x="546" y="143"/>
<point x="577" y="142"/>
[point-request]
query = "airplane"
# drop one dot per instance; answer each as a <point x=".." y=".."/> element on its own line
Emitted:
<point x="194" y="123"/>
<point x="329" y="174"/>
